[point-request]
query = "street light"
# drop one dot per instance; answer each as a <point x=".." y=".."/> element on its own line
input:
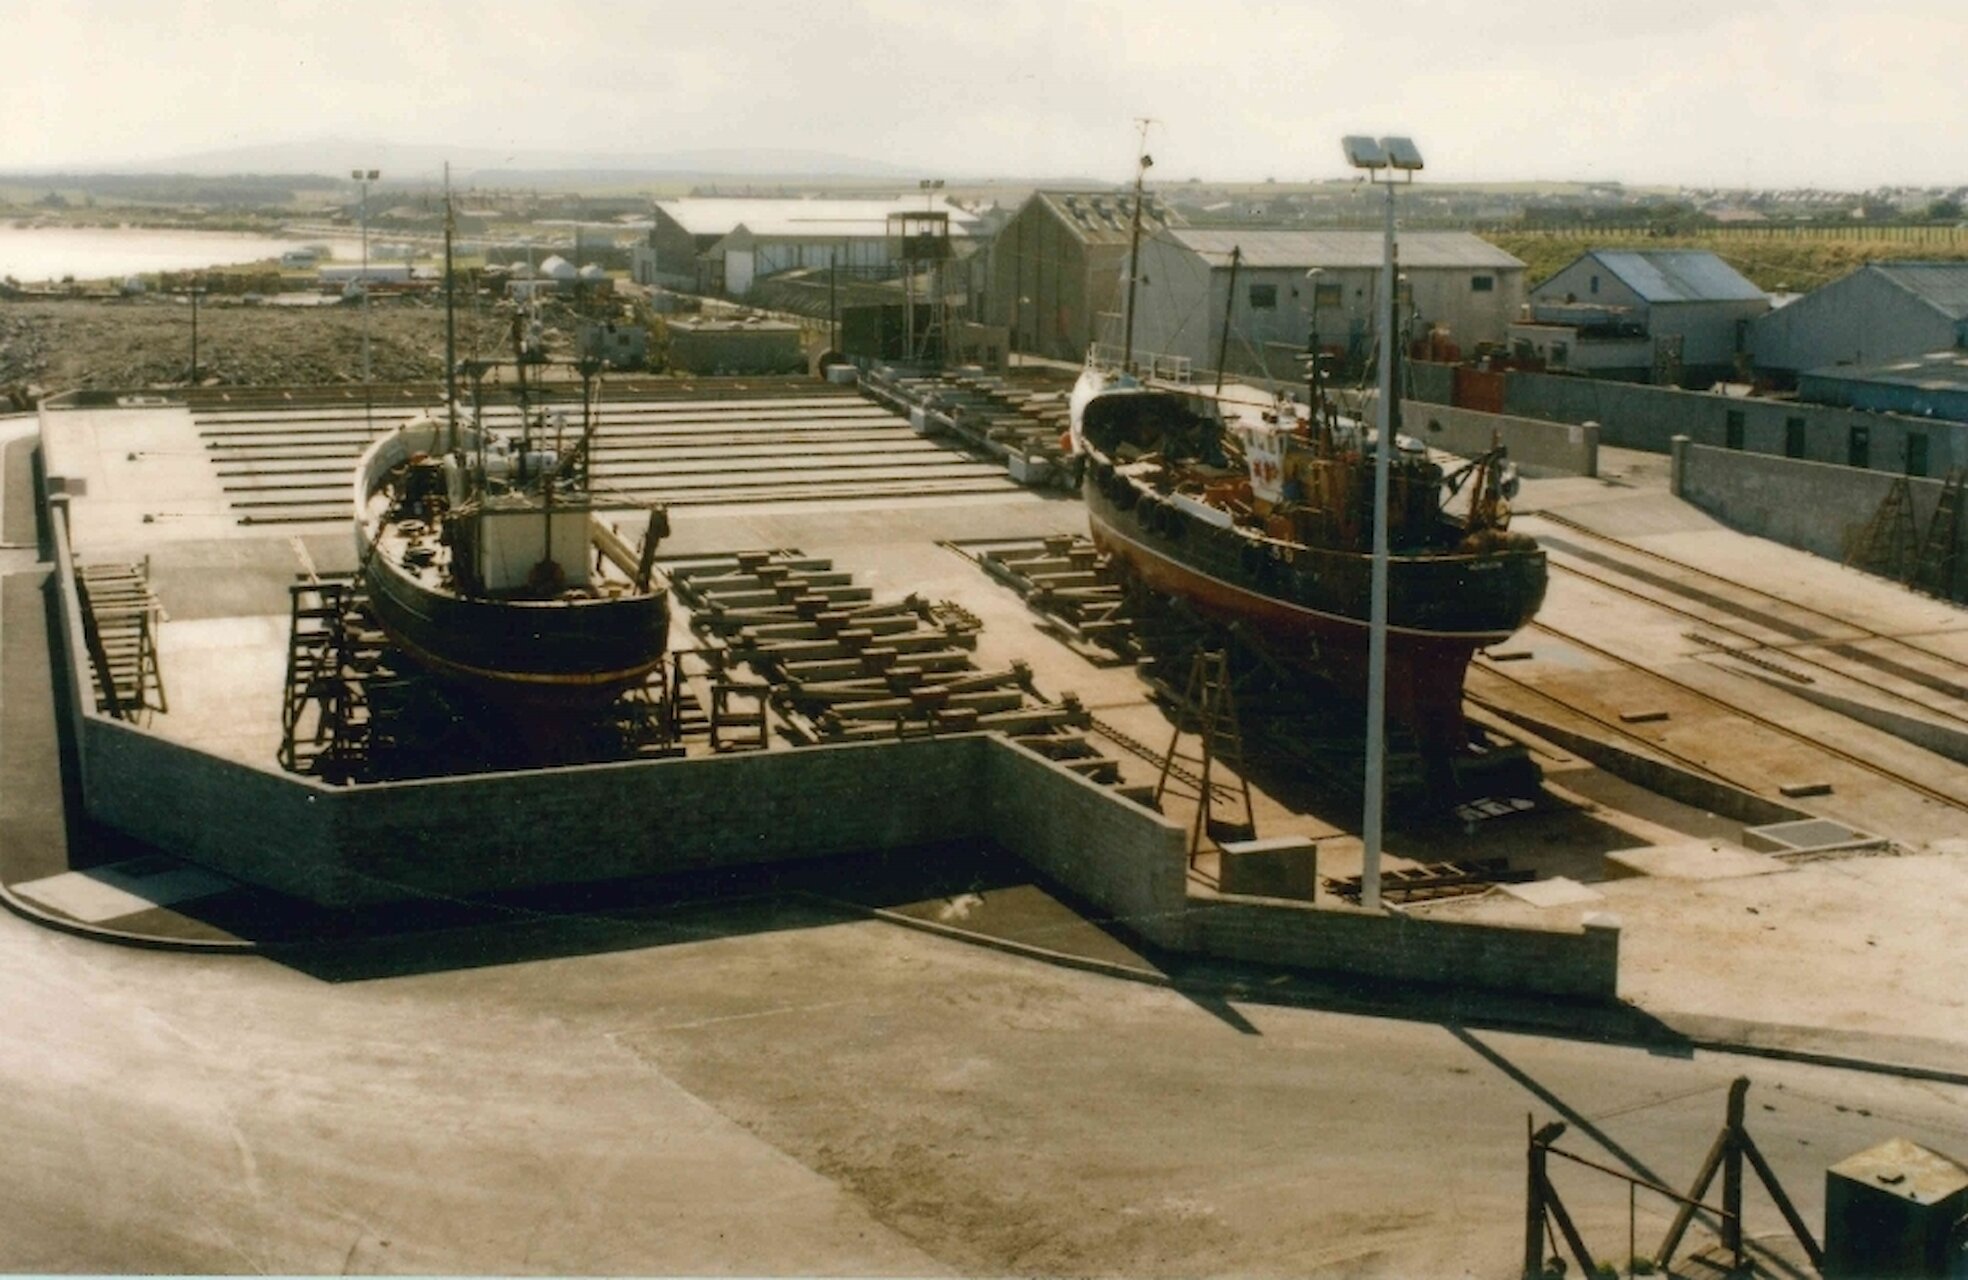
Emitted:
<point x="365" y="177"/>
<point x="1376" y="156"/>
<point x="194" y="290"/>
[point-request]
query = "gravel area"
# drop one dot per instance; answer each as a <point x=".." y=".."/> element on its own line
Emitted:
<point x="52" y="346"/>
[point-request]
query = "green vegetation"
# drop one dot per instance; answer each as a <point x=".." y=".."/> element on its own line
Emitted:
<point x="1789" y="259"/>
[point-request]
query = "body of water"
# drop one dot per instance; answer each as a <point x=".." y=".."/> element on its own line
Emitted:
<point x="35" y="254"/>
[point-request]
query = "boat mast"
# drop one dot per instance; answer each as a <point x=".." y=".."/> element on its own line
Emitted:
<point x="450" y="322"/>
<point x="1134" y="246"/>
<point x="1229" y="306"/>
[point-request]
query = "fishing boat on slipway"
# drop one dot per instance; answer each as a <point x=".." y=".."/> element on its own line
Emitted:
<point x="1262" y="519"/>
<point x="482" y="553"/>
<point x="484" y="561"/>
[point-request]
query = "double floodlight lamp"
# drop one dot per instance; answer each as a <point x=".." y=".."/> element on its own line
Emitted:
<point x="1382" y="153"/>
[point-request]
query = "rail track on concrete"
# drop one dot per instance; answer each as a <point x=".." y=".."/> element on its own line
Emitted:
<point x="1702" y="696"/>
<point x="1950" y="676"/>
<point x="1794" y="652"/>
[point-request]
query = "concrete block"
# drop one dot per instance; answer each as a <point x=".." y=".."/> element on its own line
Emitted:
<point x="1278" y="867"/>
<point x="1028" y="468"/>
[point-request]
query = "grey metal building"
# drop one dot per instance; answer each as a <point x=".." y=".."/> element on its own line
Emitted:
<point x="1931" y="386"/>
<point x="1056" y="267"/>
<point x="1884" y="311"/>
<point x="1669" y="316"/>
<point x="1457" y="283"/>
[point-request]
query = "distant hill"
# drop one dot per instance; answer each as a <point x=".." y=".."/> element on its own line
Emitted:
<point x="420" y="161"/>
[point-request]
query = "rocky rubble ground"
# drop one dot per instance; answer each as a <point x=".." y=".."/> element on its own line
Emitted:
<point x="53" y="346"/>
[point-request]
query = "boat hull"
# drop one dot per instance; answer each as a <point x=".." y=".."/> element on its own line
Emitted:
<point x="576" y="651"/>
<point x="552" y="650"/>
<point x="1310" y="606"/>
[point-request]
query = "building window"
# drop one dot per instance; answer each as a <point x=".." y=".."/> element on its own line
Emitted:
<point x="1916" y="450"/>
<point x="1263" y="297"/>
<point x="1858" y="447"/>
<point x="1328" y="295"/>
<point x="1482" y="284"/>
<point x="1593" y="287"/>
<point x="1793" y="437"/>
<point x="1732" y="429"/>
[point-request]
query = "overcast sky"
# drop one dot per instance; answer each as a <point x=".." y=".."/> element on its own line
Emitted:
<point x="1725" y="92"/>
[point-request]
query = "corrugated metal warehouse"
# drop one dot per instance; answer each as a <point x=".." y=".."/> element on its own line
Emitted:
<point x="1056" y="268"/>
<point x="1881" y="312"/>
<point x="1662" y="315"/>
<point x="1458" y="282"/>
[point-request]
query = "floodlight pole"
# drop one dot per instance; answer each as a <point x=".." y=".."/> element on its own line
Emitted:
<point x="365" y="177"/>
<point x="194" y="289"/>
<point x="1370" y="825"/>
<point x="365" y="280"/>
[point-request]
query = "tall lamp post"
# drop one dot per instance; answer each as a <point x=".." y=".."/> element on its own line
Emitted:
<point x="196" y="290"/>
<point x="365" y="177"/>
<point x="1382" y="159"/>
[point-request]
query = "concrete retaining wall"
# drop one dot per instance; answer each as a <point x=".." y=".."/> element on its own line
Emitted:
<point x="1809" y="505"/>
<point x="471" y="835"/>
<point x="1119" y="857"/>
<point x="251" y="824"/>
<point x="1398" y="949"/>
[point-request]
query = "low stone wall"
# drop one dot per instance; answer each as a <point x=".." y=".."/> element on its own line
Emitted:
<point x="1813" y="506"/>
<point x="1123" y="859"/>
<point x="254" y="825"/>
<point x="475" y="834"/>
<point x="1559" y="448"/>
<point x="1408" y="949"/>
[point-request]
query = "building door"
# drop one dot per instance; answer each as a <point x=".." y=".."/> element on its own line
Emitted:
<point x="1732" y="428"/>
<point x="1916" y="451"/>
<point x="1858" y="447"/>
<point x="1793" y="437"/>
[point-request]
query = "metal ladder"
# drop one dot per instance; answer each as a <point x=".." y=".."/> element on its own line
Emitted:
<point x="1886" y="545"/>
<point x="120" y="619"/>
<point x="1934" y="568"/>
<point x="1208" y="709"/>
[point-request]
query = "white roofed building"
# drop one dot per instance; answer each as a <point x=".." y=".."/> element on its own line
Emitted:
<point x="721" y="244"/>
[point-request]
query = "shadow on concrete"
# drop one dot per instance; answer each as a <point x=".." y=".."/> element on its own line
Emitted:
<point x="1454" y="1008"/>
<point x="437" y="934"/>
<point x="21" y="521"/>
<point x="1572" y="1116"/>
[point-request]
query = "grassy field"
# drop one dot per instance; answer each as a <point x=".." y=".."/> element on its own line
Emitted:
<point x="1791" y="260"/>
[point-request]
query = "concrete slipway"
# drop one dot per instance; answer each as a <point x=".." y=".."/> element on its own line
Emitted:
<point x="171" y="485"/>
<point x="1844" y="954"/>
